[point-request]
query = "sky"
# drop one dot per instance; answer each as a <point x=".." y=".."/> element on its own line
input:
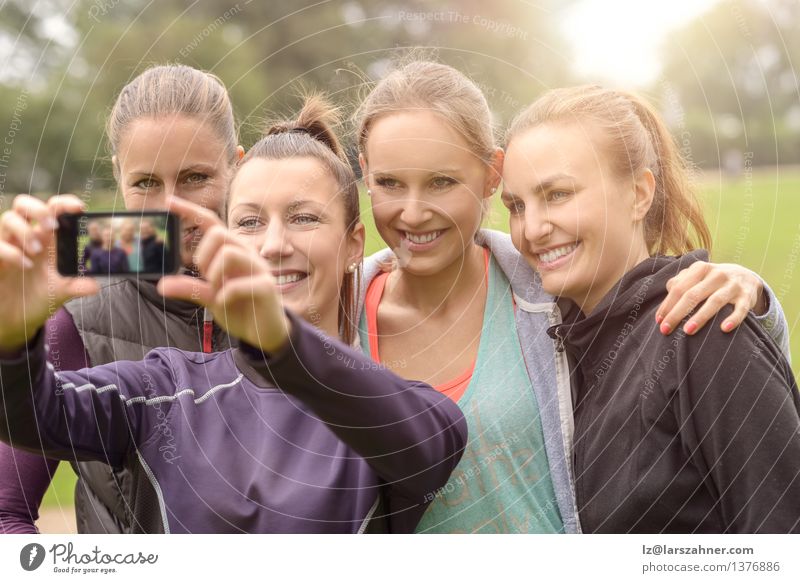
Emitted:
<point x="619" y="40"/>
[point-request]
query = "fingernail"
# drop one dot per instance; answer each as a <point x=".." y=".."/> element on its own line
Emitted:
<point x="35" y="246"/>
<point x="50" y="223"/>
<point x="665" y="328"/>
<point x="659" y="318"/>
<point x="727" y="326"/>
<point x="690" y="328"/>
<point x="26" y="262"/>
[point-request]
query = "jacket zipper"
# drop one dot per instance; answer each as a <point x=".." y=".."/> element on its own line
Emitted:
<point x="562" y="371"/>
<point x="208" y="331"/>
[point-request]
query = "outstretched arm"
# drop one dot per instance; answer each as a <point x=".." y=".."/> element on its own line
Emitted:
<point x="410" y="434"/>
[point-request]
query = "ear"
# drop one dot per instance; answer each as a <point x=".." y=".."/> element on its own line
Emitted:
<point x="362" y="163"/>
<point x="239" y="153"/>
<point x="355" y="244"/>
<point x="644" y="191"/>
<point x="495" y="172"/>
<point x="115" y="167"/>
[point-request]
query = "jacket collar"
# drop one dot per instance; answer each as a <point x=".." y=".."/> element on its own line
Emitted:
<point x="185" y="310"/>
<point x="639" y="290"/>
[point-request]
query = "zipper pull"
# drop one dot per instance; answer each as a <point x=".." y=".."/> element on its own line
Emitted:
<point x="556" y="333"/>
<point x="208" y="330"/>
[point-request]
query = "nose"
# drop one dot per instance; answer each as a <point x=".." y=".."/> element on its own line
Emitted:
<point x="415" y="211"/>
<point x="538" y="228"/>
<point x="277" y="242"/>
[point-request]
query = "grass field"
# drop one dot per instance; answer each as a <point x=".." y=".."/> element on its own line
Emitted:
<point x="755" y="221"/>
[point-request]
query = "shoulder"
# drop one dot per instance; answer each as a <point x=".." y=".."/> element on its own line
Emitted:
<point x="712" y="358"/>
<point x="523" y="279"/>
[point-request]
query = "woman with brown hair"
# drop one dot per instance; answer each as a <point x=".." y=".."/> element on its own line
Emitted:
<point x="695" y="432"/>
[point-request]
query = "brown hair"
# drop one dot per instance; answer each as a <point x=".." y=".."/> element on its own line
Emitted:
<point x="638" y="139"/>
<point x="174" y="89"/>
<point x="431" y="86"/>
<point x="311" y="135"/>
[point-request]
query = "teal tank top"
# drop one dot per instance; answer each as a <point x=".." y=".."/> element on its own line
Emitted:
<point x="502" y="483"/>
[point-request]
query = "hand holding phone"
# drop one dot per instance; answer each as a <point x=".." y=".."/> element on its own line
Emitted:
<point x="31" y="288"/>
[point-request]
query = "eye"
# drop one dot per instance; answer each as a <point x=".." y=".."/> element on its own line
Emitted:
<point x="249" y="223"/>
<point x="304" y="219"/>
<point x="146" y="183"/>
<point x="196" y="178"/>
<point x="387" y="183"/>
<point x="558" y="195"/>
<point x="514" y="206"/>
<point x="443" y="182"/>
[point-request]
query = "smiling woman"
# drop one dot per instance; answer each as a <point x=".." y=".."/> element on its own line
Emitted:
<point x="691" y="433"/>
<point x="300" y="175"/>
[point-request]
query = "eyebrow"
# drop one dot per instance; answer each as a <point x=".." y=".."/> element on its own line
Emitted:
<point x="442" y="171"/>
<point x="293" y="206"/>
<point x="548" y="182"/>
<point x="191" y="168"/>
<point x="299" y="203"/>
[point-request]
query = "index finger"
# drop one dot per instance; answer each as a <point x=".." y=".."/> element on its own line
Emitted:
<point x="193" y="215"/>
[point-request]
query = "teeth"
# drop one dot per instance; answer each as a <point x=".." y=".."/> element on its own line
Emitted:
<point x="422" y="239"/>
<point x="289" y="278"/>
<point x="554" y="254"/>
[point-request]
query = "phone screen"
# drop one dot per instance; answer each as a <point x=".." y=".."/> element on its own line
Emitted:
<point x="117" y="244"/>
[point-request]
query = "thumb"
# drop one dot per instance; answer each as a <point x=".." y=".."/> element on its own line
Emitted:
<point x="79" y="287"/>
<point x="185" y="287"/>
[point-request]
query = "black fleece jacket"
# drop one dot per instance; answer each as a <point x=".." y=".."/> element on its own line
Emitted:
<point x="679" y="433"/>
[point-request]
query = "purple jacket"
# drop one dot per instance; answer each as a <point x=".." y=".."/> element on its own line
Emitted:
<point x="108" y="261"/>
<point x="228" y="451"/>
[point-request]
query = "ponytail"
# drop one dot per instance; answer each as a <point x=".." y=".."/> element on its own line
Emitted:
<point x="316" y="119"/>
<point x="676" y="209"/>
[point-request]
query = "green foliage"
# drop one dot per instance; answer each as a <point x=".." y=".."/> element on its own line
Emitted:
<point x="263" y="51"/>
<point x="731" y="74"/>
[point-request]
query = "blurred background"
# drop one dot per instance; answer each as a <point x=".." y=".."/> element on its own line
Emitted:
<point x="722" y="72"/>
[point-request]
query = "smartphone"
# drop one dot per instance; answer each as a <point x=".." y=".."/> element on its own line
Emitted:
<point x="142" y="244"/>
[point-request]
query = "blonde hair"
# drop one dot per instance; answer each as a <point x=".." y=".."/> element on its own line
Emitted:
<point x="174" y="89"/>
<point x="311" y="135"/>
<point x="431" y="86"/>
<point x="638" y="140"/>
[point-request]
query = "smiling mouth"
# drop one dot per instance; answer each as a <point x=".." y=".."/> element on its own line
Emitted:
<point x="422" y="238"/>
<point x="286" y="279"/>
<point x="553" y="255"/>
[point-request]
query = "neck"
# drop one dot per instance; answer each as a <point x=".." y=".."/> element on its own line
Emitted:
<point x="457" y="284"/>
<point x="328" y="323"/>
<point x="593" y="298"/>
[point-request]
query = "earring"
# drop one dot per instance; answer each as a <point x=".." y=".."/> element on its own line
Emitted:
<point x="352" y="268"/>
<point x="369" y="192"/>
<point x="494" y="189"/>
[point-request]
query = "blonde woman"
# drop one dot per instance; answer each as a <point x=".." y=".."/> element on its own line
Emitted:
<point x="689" y="433"/>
